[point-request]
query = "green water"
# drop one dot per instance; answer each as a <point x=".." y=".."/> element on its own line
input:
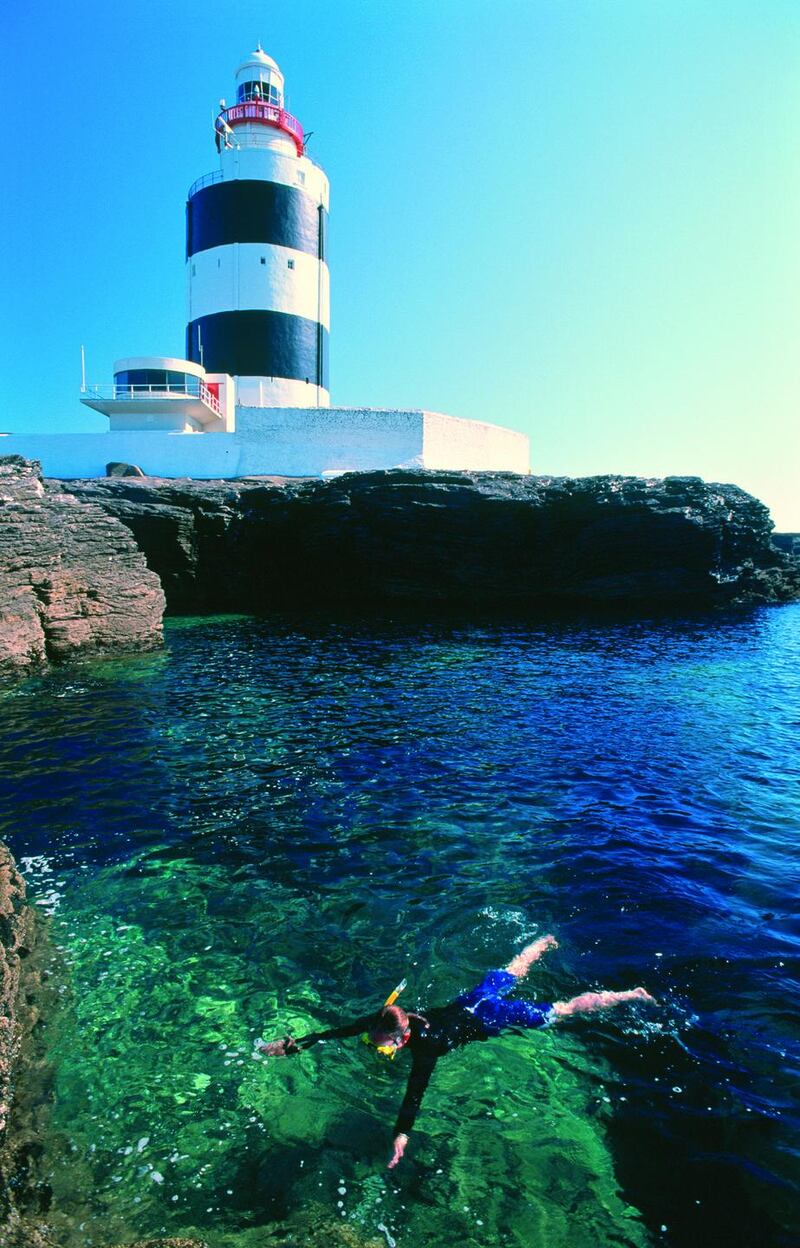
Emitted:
<point x="165" y="1123"/>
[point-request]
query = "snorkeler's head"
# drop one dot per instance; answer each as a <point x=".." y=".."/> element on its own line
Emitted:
<point x="390" y="1029"/>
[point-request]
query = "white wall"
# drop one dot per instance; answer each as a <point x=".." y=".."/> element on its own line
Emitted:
<point x="232" y="277"/>
<point x="450" y="442"/>
<point x="303" y="442"/>
<point x="273" y="164"/>
<point x="201" y="455"/>
<point x="279" y="392"/>
<point x="292" y="442"/>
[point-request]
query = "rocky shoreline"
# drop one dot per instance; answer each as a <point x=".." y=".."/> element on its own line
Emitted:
<point x="88" y="567"/>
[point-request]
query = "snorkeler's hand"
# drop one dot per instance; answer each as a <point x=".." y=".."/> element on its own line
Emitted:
<point x="400" y="1142"/>
<point x="286" y="1047"/>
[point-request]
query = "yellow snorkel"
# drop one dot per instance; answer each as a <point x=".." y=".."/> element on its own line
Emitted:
<point x="388" y="1050"/>
<point x="395" y="993"/>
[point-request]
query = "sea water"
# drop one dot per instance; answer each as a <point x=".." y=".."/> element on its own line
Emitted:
<point x="265" y="827"/>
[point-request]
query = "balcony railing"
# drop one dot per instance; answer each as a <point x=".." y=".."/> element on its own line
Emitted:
<point x="263" y="115"/>
<point x="216" y="175"/>
<point x="118" y="393"/>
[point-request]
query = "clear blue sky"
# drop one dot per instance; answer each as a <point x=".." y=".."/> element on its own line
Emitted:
<point x="579" y="218"/>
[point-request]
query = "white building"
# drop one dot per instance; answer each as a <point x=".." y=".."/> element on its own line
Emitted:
<point x="257" y="337"/>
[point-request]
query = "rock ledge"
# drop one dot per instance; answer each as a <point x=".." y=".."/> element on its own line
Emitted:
<point x="72" y="580"/>
<point x="471" y="540"/>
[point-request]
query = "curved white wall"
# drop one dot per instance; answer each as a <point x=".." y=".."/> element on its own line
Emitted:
<point x="268" y="162"/>
<point x="279" y="392"/>
<point x="169" y="362"/>
<point x="258" y="275"/>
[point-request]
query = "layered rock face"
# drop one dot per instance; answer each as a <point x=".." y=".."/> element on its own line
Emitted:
<point x="72" y="580"/>
<point x="16" y="938"/>
<point x="481" y="540"/>
<point x="20" y="987"/>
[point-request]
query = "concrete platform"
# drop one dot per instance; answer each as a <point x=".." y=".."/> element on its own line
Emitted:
<point x="288" y="442"/>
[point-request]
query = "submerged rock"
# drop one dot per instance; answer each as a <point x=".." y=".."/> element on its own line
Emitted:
<point x="475" y="540"/>
<point x="312" y="1229"/>
<point x="72" y="580"/>
<point x="165" y="1243"/>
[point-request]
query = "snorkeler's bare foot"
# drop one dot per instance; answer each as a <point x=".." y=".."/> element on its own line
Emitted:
<point x="641" y="994"/>
<point x="519" y="965"/>
<point x="587" y="1002"/>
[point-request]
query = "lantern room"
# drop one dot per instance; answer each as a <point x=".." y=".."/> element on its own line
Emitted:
<point x="259" y="78"/>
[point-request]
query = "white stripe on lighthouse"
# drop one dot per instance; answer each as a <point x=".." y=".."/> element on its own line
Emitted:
<point x="258" y="277"/>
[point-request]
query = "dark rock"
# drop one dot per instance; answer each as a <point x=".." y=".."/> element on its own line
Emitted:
<point x="21" y="939"/>
<point x="16" y="937"/>
<point x="123" y="470"/>
<point x="72" y="580"/>
<point x="788" y="542"/>
<point x="476" y="540"/>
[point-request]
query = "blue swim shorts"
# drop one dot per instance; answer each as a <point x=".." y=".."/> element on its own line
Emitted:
<point x="487" y="1004"/>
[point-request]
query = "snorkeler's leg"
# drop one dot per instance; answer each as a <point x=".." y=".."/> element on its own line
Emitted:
<point x="589" y="1001"/>
<point x="520" y="965"/>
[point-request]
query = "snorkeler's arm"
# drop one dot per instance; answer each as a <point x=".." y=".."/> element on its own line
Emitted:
<point x="418" y="1080"/>
<point x="289" y="1045"/>
<point x="356" y="1028"/>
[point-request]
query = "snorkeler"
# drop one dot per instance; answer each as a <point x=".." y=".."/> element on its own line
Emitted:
<point x="477" y="1015"/>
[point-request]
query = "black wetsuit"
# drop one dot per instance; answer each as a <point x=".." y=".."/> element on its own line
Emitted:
<point x="476" y="1015"/>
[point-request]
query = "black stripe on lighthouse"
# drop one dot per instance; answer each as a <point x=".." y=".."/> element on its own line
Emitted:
<point x="244" y="211"/>
<point x="260" y="344"/>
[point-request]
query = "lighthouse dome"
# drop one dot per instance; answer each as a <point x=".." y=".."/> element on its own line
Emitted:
<point x="259" y="77"/>
<point x="257" y="60"/>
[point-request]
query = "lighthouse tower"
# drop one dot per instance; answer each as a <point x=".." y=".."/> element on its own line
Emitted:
<point x="254" y="383"/>
<point x="257" y="273"/>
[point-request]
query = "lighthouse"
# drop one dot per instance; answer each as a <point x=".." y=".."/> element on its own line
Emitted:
<point x="251" y="397"/>
<point x="256" y="228"/>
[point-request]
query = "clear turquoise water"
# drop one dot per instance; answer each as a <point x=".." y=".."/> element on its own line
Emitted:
<point x="268" y="824"/>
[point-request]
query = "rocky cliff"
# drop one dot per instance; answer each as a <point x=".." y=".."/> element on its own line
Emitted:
<point x="476" y="540"/>
<point x="72" y="580"/>
<point x="21" y="975"/>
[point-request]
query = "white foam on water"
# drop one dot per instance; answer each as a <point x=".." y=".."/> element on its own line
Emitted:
<point x="38" y="871"/>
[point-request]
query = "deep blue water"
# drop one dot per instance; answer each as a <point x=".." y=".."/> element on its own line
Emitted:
<point x="274" y="820"/>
